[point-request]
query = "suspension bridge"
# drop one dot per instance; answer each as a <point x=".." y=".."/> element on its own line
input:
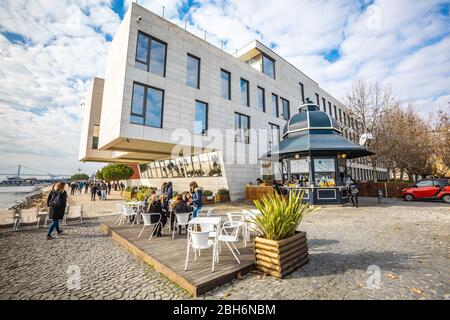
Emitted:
<point x="21" y="171"/>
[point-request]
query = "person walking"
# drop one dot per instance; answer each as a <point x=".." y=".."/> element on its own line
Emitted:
<point x="196" y="192"/>
<point x="354" y="191"/>
<point x="122" y="186"/>
<point x="56" y="202"/>
<point x="94" y="190"/>
<point x="86" y="186"/>
<point x="109" y="187"/>
<point x="80" y="186"/>
<point x="103" y="190"/>
<point x="72" y="188"/>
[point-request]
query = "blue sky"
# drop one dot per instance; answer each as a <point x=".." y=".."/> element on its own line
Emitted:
<point x="51" y="49"/>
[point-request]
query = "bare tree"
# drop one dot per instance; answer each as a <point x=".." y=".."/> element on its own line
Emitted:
<point x="367" y="103"/>
<point x="442" y="139"/>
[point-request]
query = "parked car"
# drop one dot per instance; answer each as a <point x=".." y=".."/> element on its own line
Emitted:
<point x="428" y="189"/>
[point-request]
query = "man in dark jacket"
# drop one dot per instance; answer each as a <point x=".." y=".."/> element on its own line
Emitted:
<point x="56" y="202"/>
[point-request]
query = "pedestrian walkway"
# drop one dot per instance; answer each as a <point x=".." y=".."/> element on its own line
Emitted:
<point x="97" y="208"/>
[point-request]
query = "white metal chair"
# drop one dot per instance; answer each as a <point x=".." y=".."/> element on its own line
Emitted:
<point x="147" y="218"/>
<point x="229" y="233"/>
<point x="8" y="219"/>
<point x="239" y="218"/>
<point x="127" y="212"/>
<point x="199" y="240"/>
<point x="29" y="217"/>
<point x="74" y="212"/>
<point x="181" y="220"/>
<point x="248" y="216"/>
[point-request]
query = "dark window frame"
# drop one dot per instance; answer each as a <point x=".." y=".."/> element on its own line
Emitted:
<point x="258" y="88"/>
<point x="335" y="112"/>
<point x="324" y="104"/>
<point x="229" y="83"/>
<point x="240" y="116"/>
<point x="288" y="108"/>
<point x="147" y="63"/>
<point x="318" y="99"/>
<point x="263" y="55"/>
<point x="248" y="90"/>
<point x="302" y="91"/>
<point x="206" y="116"/>
<point x="277" y="105"/>
<point x="144" y="107"/>
<point x="330" y="109"/>
<point x="198" y="69"/>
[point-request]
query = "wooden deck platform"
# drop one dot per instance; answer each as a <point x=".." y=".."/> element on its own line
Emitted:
<point x="168" y="257"/>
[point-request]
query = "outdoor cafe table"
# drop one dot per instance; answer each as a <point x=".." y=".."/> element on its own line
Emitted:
<point x="206" y="220"/>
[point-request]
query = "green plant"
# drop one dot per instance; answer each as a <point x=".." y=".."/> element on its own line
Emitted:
<point x="223" y="192"/>
<point x="279" y="217"/>
<point x="207" y="193"/>
<point x="79" y="176"/>
<point x="115" y="172"/>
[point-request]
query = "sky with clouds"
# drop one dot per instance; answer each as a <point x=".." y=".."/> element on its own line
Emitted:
<point x="51" y="49"/>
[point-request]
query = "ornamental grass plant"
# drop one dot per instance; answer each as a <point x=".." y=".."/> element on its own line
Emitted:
<point x="280" y="217"/>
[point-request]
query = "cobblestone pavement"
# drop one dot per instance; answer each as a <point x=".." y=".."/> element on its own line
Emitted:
<point x="408" y="242"/>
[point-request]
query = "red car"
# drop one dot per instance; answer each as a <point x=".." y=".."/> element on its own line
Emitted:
<point x="428" y="189"/>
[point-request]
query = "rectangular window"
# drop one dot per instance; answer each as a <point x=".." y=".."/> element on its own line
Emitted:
<point x="95" y="135"/>
<point x="345" y="119"/>
<point x="317" y="100"/>
<point x="285" y="108"/>
<point x="225" y="84"/>
<point x="201" y="118"/>
<point x="324" y="105"/>
<point x="302" y="92"/>
<point x="193" y="71"/>
<point x="274" y="135"/>
<point x="242" y="128"/>
<point x="261" y="99"/>
<point x="275" y="111"/>
<point x="340" y="116"/>
<point x="245" y="93"/>
<point x="330" y="111"/>
<point x="147" y="106"/>
<point x="268" y="66"/>
<point x="151" y="54"/>
<point x="335" y="112"/>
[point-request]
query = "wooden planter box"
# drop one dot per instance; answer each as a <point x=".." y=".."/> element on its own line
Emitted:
<point x="280" y="258"/>
<point x="222" y="198"/>
<point x="208" y="200"/>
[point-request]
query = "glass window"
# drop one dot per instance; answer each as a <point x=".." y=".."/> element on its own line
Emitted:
<point x="335" y="112"/>
<point x="158" y="58"/>
<point x="324" y="172"/>
<point x="225" y="84"/>
<point x="268" y="65"/>
<point x="153" y="114"/>
<point x="324" y="105"/>
<point x="242" y="128"/>
<point x="137" y="104"/>
<point x="151" y="54"/>
<point x="95" y="135"/>
<point x="147" y="106"/>
<point x="302" y="92"/>
<point x="245" y="93"/>
<point x="193" y="71"/>
<point x="142" y="48"/>
<point x="285" y="108"/>
<point x="261" y="99"/>
<point x="425" y="183"/>
<point x="201" y="116"/>
<point x="330" y="111"/>
<point x="274" y="135"/>
<point x="275" y="111"/>
<point x="340" y="116"/>
<point x="317" y="100"/>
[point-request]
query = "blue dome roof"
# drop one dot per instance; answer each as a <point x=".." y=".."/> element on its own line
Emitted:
<point x="310" y="118"/>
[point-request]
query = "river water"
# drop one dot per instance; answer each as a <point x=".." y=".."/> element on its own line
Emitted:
<point x="8" y="199"/>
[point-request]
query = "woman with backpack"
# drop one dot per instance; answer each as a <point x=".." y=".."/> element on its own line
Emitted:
<point x="56" y="202"/>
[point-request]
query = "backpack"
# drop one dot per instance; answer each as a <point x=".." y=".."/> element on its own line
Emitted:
<point x="55" y="200"/>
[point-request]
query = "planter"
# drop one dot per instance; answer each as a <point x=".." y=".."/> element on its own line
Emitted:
<point x="128" y="194"/>
<point x="280" y="258"/>
<point x="222" y="198"/>
<point x="207" y="200"/>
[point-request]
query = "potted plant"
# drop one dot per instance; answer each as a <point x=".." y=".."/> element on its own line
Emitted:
<point x="223" y="195"/>
<point x="207" y="197"/>
<point x="280" y="249"/>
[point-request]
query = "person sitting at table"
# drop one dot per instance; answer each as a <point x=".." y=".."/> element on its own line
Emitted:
<point x="164" y="202"/>
<point x="179" y="205"/>
<point x="155" y="207"/>
<point x="187" y="198"/>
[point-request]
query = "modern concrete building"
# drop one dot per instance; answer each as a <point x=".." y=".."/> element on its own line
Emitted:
<point x="186" y="110"/>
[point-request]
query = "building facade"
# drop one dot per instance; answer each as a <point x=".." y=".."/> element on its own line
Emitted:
<point x="186" y="110"/>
